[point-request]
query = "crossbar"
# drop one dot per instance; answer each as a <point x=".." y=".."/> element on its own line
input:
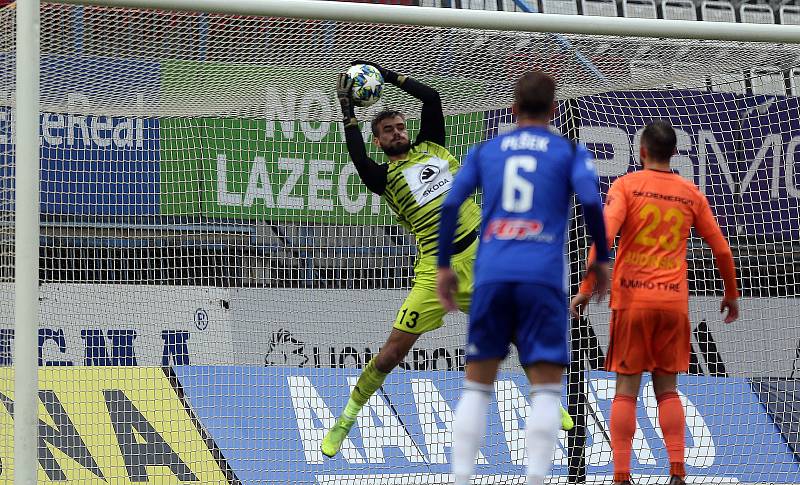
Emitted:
<point x="471" y="19"/>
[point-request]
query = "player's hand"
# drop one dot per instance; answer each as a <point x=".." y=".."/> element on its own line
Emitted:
<point x="578" y="303"/>
<point x="388" y="75"/>
<point x="446" y="287"/>
<point x="380" y="69"/>
<point x="344" y="87"/>
<point x="732" y="306"/>
<point x="602" y="275"/>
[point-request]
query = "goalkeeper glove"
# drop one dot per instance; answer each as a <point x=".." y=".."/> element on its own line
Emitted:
<point x="388" y="74"/>
<point x="344" y="86"/>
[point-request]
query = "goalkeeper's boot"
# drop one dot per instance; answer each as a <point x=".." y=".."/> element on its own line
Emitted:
<point x="332" y="441"/>
<point x="676" y="480"/>
<point x="566" y="420"/>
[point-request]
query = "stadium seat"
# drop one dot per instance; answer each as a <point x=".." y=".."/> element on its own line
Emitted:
<point x="678" y="10"/>
<point x="602" y="8"/>
<point x="729" y="83"/>
<point x="794" y="81"/>
<point x="760" y="13"/>
<point x="385" y="2"/>
<point x="767" y="80"/>
<point x="682" y="75"/>
<point x="435" y="3"/>
<point x="643" y="72"/>
<point x="789" y="14"/>
<point x="717" y="11"/>
<point x="563" y="7"/>
<point x="502" y="5"/>
<point x="640" y="9"/>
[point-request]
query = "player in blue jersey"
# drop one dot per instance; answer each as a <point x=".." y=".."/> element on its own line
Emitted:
<point x="528" y="177"/>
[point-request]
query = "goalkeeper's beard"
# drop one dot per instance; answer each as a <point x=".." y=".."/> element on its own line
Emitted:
<point x="395" y="149"/>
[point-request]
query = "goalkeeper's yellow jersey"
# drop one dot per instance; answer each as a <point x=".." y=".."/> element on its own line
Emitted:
<point x="415" y="190"/>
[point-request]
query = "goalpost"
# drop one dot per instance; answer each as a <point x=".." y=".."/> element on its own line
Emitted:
<point x="208" y="271"/>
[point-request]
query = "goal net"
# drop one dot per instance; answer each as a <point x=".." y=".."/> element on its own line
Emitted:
<point x="213" y="272"/>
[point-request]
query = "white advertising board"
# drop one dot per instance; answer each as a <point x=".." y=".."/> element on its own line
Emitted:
<point x="155" y="325"/>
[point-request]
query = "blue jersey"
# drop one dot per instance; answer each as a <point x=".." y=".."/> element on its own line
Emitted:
<point x="527" y="177"/>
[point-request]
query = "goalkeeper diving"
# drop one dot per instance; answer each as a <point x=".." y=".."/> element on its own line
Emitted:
<point x="413" y="184"/>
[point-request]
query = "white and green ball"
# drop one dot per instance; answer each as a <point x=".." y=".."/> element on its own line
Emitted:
<point x="367" y="84"/>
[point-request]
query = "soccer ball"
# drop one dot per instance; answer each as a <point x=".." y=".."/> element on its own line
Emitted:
<point x="367" y="84"/>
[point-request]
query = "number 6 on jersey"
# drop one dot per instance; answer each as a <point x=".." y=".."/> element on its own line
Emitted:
<point x="517" y="190"/>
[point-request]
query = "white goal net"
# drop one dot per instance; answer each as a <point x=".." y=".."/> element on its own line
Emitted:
<point x="213" y="272"/>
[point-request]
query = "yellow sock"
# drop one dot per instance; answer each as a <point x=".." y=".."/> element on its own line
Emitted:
<point x="368" y="382"/>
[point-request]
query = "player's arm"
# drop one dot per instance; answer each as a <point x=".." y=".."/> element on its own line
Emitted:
<point x="432" y="117"/>
<point x="464" y="184"/>
<point x="614" y="216"/>
<point x="372" y="174"/>
<point x="709" y="230"/>
<point x="587" y="189"/>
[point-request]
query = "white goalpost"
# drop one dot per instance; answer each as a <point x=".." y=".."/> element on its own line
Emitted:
<point x="192" y="273"/>
<point x="26" y="248"/>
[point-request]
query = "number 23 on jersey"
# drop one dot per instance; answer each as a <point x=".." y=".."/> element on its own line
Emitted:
<point x="652" y="234"/>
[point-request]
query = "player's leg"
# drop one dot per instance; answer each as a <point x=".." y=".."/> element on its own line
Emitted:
<point x="469" y="420"/>
<point x="628" y="355"/>
<point x="672" y="350"/>
<point x="463" y="265"/>
<point x="393" y="351"/>
<point x="488" y="339"/>
<point x="541" y="339"/>
<point x="623" y="424"/>
<point x="672" y="421"/>
<point x="371" y="379"/>
<point x="566" y="420"/>
<point x="420" y="313"/>
<point x="541" y="429"/>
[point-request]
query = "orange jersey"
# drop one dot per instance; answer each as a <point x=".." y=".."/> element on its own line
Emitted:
<point x="654" y="212"/>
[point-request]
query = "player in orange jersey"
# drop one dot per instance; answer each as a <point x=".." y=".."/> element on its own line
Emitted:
<point x="654" y="209"/>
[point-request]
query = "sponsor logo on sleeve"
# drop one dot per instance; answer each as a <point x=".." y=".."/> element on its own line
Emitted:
<point x="429" y="180"/>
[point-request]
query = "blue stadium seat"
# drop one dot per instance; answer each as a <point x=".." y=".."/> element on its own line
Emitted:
<point x="563" y="7"/>
<point x="678" y="10"/>
<point x="717" y="11"/>
<point x="789" y="14"/>
<point x="760" y="13"/>
<point x="641" y="9"/>
<point x="602" y="8"/>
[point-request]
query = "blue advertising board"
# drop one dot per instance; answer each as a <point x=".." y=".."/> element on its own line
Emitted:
<point x="740" y="150"/>
<point x="92" y="166"/>
<point x="268" y="423"/>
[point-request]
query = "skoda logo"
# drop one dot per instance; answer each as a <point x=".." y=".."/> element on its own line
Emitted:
<point x="428" y="173"/>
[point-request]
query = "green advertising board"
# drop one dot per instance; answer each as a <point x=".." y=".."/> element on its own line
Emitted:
<point x="276" y="168"/>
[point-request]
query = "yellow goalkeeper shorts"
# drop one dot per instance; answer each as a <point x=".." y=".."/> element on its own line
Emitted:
<point x="421" y="311"/>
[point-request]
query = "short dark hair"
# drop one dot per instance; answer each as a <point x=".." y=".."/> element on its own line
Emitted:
<point x="535" y="93"/>
<point x="660" y="140"/>
<point x="387" y="113"/>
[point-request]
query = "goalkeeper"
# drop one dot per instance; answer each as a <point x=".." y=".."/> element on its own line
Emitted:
<point x="413" y="184"/>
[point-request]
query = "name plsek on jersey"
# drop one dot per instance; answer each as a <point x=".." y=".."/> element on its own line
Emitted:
<point x="429" y="180"/>
<point x="525" y="141"/>
<point x="517" y="229"/>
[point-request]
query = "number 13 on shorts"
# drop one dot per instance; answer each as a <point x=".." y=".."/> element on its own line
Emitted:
<point x="407" y="318"/>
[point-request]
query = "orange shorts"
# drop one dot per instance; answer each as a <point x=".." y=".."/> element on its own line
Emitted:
<point x="648" y="340"/>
